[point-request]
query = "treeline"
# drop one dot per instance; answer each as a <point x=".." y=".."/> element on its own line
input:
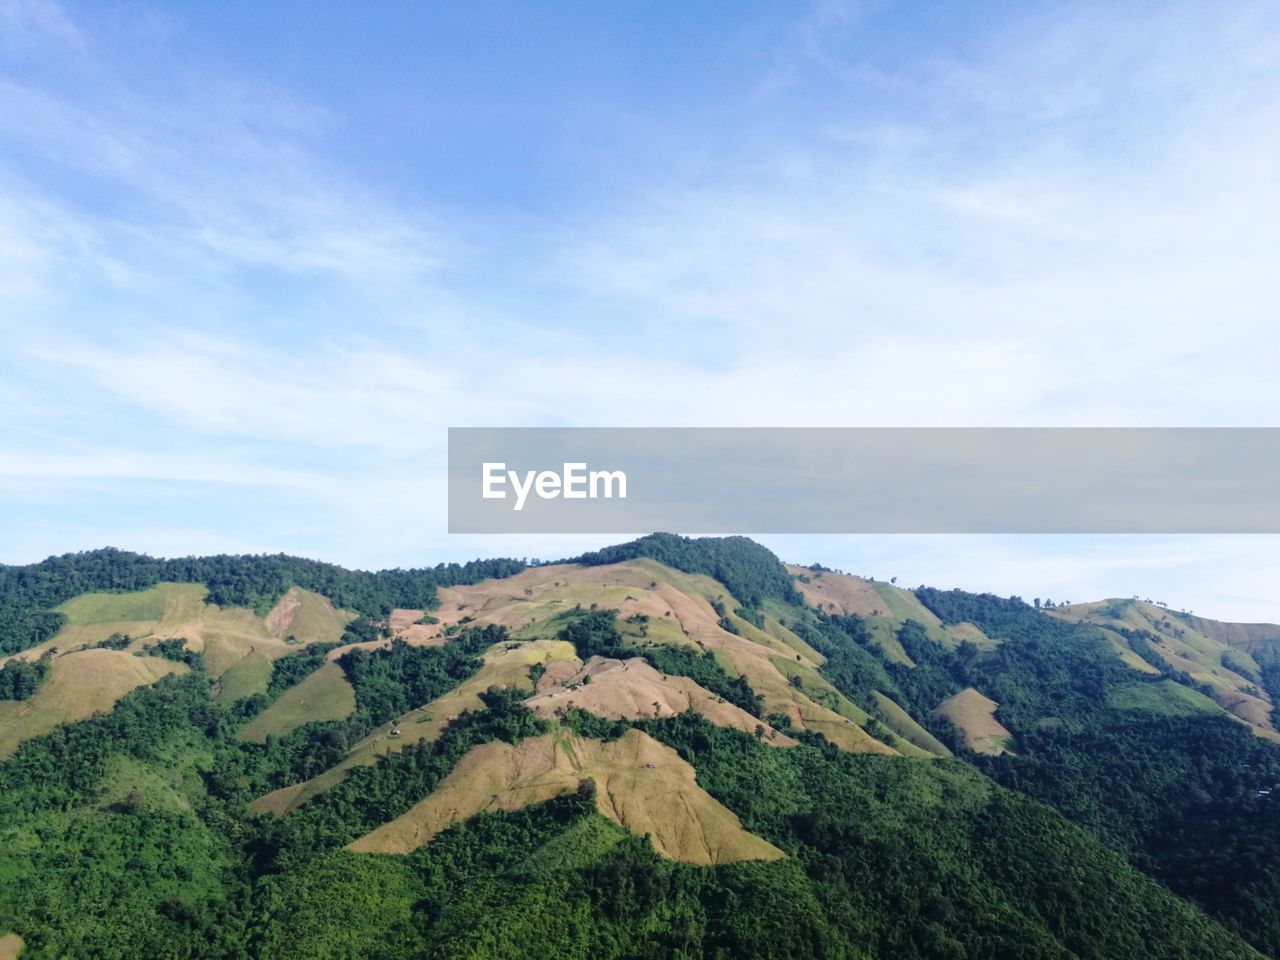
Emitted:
<point x="28" y="593"/>
<point x="750" y="572"/>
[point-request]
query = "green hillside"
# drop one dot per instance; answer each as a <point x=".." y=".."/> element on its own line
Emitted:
<point x="1128" y="816"/>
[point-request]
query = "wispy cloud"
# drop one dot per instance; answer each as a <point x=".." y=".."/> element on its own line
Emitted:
<point x="35" y="21"/>
<point x="1067" y="215"/>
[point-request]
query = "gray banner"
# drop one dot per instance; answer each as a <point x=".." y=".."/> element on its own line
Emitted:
<point x="864" y="480"/>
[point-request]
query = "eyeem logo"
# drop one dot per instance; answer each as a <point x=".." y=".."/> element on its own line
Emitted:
<point x="574" y="482"/>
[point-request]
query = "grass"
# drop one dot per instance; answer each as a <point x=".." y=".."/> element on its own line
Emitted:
<point x="662" y="801"/>
<point x="307" y="616"/>
<point x="975" y="717"/>
<point x="905" y="726"/>
<point x="536" y="603"/>
<point x="819" y="689"/>
<point x="244" y="678"/>
<point x="503" y="667"/>
<point x="140" y="605"/>
<point x="79" y="685"/>
<point x="325" y="694"/>
<point x="224" y="635"/>
<point x="634" y="690"/>
<point x="1231" y="672"/>
<point x="167" y="787"/>
<point x="1165" y="698"/>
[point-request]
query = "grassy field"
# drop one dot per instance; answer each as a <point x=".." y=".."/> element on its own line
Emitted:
<point x="818" y="688"/>
<point x="1165" y="698"/>
<point x="238" y="648"/>
<point x="223" y="635"/>
<point x="503" y="667"/>
<point x="79" y="685"/>
<point x="642" y="785"/>
<point x="905" y="726"/>
<point x="885" y="608"/>
<point x="245" y="677"/>
<point x="633" y="690"/>
<point x="140" y="605"/>
<point x="167" y="788"/>
<point x="307" y="616"/>
<point x="323" y="695"/>
<point x="1231" y="672"/>
<point x="680" y="611"/>
<point x="974" y="716"/>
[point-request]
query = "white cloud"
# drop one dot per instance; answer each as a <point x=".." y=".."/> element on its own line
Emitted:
<point x="1073" y="223"/>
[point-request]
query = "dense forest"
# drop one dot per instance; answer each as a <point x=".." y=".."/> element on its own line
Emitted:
<point x="751" y="572"/>
<point x="1177" y="795"/>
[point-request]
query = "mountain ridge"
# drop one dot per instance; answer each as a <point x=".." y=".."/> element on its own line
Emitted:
<point x="850" y="677"/>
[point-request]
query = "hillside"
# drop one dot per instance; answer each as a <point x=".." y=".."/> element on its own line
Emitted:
<point x="670" y="747"/>
<point x="1217" y="657"/>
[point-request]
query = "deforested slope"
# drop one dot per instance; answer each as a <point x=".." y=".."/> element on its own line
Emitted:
<point x="638" y="783"/>
<point x="79" y="685"/>
<point x="633" y="690"/>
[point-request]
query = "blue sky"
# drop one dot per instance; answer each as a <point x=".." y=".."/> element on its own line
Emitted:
<point x="255" y="258"/>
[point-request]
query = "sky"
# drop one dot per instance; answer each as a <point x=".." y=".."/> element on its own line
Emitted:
<point x="255" y="259"/>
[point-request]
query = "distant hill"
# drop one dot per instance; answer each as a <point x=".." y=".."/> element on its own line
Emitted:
<point x="672" y="747"/>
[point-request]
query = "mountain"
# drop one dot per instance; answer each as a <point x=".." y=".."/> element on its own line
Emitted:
<point x="670" y="747"/>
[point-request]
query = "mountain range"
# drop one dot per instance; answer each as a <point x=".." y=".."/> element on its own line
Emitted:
<point x="668" y="748"/>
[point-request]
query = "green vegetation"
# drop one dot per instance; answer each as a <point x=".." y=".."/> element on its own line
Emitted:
<point x="595" y="633"/>
<point x="20" y="678"/>
<point x="29" y="594"/>
<point x="133" y="605"/>
<point x="291" y="669"/>
<point x="386" y="683"/>
<point x="172" y="649"/>
<point x="1146" y="764"/>
<point x="1131" y="801"/>
<point x="749" y="571"/>
<point x="117" y="641"/>
<point x="245" y="678"/>
<point x="1165" y="698"/>
<point x="887" y="858"/>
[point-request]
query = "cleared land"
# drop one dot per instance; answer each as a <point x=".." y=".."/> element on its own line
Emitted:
<point x="640" y="784"/>
<point x="1165" y="697"/>
<point x="79" y="685"/>
<point x="238" y="648"/>
<point x="324" y="694"/>
<point x="1202" y="649"/>
<point x="505" y="665"/>
<point x="633" y="690"/>
<point x="10" y="946"/>
<point x="245" y="677"/>
<point x="974" y="716"/>
<point x="680" y="612"/>
<point x="224" y="635"/>
<point x="884" y="607"/>
<point x="904" y="725"/>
